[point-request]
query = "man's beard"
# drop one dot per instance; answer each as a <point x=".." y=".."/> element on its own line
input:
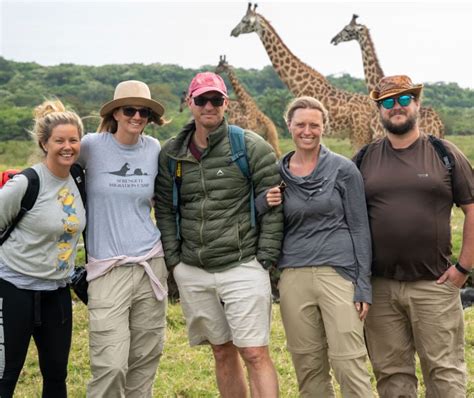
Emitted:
<point x="400" y="129"/>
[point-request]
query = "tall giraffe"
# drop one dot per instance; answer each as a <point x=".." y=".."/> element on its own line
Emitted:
<point x="351" y="115"/>
<point x="182" y="101"/>
<point x="252" y="117"/>
<point x="430" y="121"/>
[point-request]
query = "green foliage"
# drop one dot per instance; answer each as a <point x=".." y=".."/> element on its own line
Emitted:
<point x="23" y="85"/>
<point x="15" y="154"/>
<point x="274" y="101"/>
<point x="14" y="123"/>
<point x="348" y="83"/>
<point x="457" y="121"/>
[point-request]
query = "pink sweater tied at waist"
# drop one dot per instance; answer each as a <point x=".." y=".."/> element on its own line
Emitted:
<point x="96" y="268"/>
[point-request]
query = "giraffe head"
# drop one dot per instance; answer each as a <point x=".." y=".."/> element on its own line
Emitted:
<point x="249" y="23"/>
<point x="223" y="66"/>
<point x="350" y="32"/>
<point x="183" y="101"/>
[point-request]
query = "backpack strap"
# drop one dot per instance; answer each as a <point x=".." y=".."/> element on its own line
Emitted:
<point x="175" y="169"/>
<point x="27" y="202"/>
<point x="239" y="155"/>
<point x="78" y="176"/>
<point x="446" y="157"/>
<point x="360" y="155"/>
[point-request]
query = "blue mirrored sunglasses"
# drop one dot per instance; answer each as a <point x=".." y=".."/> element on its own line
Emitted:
<point x="403" y="100"/>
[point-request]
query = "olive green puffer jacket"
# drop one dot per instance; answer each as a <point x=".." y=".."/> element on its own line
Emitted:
<point x="216" y="232"/>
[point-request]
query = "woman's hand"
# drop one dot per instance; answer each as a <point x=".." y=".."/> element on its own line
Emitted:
<point x="362" y="309"/>
<point x="274" y="196"/>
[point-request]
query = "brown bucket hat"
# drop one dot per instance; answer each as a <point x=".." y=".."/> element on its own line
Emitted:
<point x="133" y="92"/>
<point x="390" y="86"/>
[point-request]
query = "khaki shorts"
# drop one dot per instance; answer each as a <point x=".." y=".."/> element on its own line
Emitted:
<point x="232" y="305"/>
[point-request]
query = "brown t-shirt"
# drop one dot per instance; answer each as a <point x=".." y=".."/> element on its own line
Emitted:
<point x="409" y="200"/>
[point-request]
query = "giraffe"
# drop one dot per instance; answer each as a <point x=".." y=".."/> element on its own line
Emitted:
<point x="430" y="121"/>
<point x="255" y="119"/>
<point x="351" y="115"/>
<point x="182" y="101"/>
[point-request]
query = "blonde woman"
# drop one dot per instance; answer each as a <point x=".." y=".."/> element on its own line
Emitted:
<point x="325" y="288"/>
<point x="37" y="259"/>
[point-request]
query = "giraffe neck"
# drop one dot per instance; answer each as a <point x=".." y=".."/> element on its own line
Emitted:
<point x="299" y="77"/>
<point x="372" y="69"/>
<point x="244" y="97"/>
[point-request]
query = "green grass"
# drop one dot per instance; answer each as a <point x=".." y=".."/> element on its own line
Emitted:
<point x="188" y="372"/>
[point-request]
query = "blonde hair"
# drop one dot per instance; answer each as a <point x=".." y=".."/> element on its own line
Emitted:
<point x="109" y="124"/>
<point x="50" y="114"/>
<point x="306" y="102"/>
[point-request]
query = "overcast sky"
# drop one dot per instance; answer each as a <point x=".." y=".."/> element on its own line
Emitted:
<point x="429" y="40"/>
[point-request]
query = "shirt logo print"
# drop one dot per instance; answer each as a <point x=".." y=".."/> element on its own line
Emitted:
<point x="219" y="173"/>
<point x="124" y="171"/>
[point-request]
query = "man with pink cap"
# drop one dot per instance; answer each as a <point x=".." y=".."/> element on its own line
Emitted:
<point x="219" y="259"/>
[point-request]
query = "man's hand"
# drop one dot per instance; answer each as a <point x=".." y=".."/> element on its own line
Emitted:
<point x="454" y="276"/>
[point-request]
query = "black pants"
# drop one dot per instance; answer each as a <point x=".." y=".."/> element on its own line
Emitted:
<point x="45" y="315"/>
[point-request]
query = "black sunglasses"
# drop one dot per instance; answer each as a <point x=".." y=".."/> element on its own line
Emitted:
<point x="202" y="101"/>
<point x="130" y="111"/>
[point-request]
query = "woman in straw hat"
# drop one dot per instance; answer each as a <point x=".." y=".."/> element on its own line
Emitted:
<point x="37" y="258"/>
<point x="126" y="270"/>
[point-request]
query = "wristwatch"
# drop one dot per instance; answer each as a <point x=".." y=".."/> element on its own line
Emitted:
<point x="266" y="263"/>
<point x="461" y="269"/>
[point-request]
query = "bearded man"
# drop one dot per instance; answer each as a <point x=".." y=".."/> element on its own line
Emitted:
<point x="412" y="181"/>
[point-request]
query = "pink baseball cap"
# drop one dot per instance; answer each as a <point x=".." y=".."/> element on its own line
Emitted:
<point x="205" y="82"/>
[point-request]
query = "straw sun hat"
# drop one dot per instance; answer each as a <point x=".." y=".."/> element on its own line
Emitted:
<point x="390" y="86"/>
<point x="133" y="92"/>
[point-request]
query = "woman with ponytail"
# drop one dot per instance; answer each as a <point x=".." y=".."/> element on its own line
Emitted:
<point x="37" y="259"/>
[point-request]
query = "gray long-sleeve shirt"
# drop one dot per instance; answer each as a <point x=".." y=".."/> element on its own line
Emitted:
<point x="326" y="221"/>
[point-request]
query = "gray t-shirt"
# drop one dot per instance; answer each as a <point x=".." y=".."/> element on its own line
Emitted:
<point x="43" y="244"/>
<point x="120" y="187"/>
